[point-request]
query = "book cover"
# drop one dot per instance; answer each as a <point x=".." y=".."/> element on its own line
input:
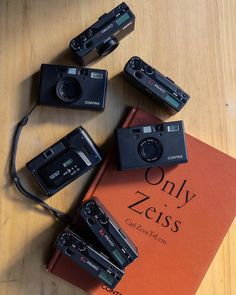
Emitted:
<point x="177" y="216"/>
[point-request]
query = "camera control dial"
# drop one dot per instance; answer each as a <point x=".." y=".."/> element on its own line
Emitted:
<point x="90" y="207"/>
<point x="136" y="63"/>
<point x="66" y="239"/>
<point x="81" y="246"/>
<point x="148" y="70"/>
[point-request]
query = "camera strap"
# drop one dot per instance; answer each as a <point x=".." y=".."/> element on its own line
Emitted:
<point x="58" y="214"/>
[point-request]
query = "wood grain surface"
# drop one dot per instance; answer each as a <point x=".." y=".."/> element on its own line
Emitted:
<point x="193" y="42"/>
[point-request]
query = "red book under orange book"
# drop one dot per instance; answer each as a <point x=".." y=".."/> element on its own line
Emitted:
<point x="177" y="217"/>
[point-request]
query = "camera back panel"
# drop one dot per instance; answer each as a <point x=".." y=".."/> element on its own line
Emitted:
<point x="71" y="87"/>
<point x="150" y="146"/>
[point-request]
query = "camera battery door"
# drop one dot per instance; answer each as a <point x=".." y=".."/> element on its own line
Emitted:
<point x="162" y="89"/>
<point x="65" y="161"/>
<point x="151" y="145"/>
<point x="103" y="36"/>
<point x="89" y="258"/>
<point x="108" y="233"/>
<point x="71" y="87"/>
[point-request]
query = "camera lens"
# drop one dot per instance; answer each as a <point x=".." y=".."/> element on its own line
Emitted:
<point x="108" y="46"/>
<point x="150" y="149"/>
<point x="68" y="89"/>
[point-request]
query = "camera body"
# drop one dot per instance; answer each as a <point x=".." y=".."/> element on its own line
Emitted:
<point x="152" y="145"/>
<point x="103" y="36"/>
<point x="89" y="258"/>
<point x="71" y="87"/>
<point x="64" y="161"/>
<point x="162" y="89"/>
<point x="108" y="233"/>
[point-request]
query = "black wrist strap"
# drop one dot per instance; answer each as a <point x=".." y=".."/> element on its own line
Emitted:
<point x="58" y="214"/>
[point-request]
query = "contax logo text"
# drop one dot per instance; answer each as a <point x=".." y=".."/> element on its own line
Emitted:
<point x="110" y="291"/>
<point x="92" y="102"/>
<point x="175" y="157"/>
<point x="159" y="88"/>
<point x="107" y="28"/>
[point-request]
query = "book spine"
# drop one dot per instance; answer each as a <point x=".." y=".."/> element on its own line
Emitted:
<point x="103" y="168"/>
<point x="53" y="260"/>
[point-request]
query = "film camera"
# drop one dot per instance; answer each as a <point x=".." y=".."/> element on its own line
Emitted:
<point x="103" y="37"/>
<point x="71" y="87"/>
<point x="64" y="161"/>
<point x="162" y="89"/>
<point x="88" y="257"/>
<point x="108" y="233"/>
<point x="152" y="145"/>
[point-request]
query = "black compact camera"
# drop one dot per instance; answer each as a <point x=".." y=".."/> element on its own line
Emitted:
<point x="108" y="233"/>
<point x="88" y="257"/>
<point x="71" y="87"/>
<point x="151" y="145"/>
<point x="162" y="89"/>
<point x="64" y="161"/>
<point x="103" y="37"/>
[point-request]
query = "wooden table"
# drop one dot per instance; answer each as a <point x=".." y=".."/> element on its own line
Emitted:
<point x="193" y="42"/>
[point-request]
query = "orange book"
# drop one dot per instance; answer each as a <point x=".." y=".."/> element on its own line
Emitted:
<point x="177" y="217"/>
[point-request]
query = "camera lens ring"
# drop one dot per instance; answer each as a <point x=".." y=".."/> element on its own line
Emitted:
<point x="150" y="150"/>
<point x="68" y="89"/>
<point x="108" y="46"/>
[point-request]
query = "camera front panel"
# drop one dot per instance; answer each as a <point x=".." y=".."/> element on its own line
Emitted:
<point x="103" y="36"/>
<point x="162" y="89"/>
<point x="150" y="146"/>
<point x="72" y="87"/>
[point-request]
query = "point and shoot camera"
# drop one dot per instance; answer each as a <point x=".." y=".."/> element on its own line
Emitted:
<point x="162" y="89"/>
<point x="64" y="161"/>
<point x="88" y="257"/>
<point x="151" y="145"/>
<point x="107" y="232"/>
<point x="103" y="36"/>
<point x="118" y="248"/>
<point x="72" y="87"/>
